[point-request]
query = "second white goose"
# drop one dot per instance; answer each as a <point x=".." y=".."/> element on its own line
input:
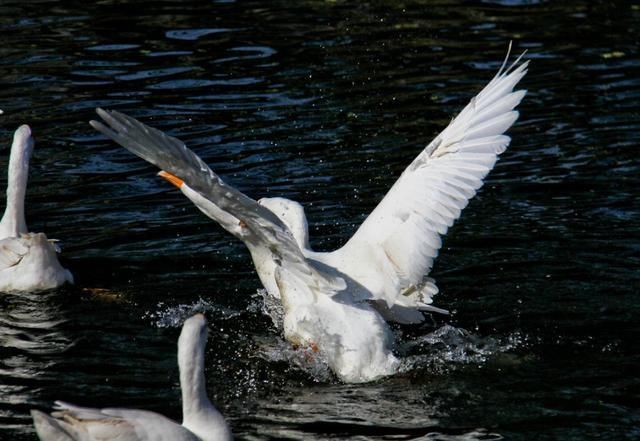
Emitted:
<point x="28" y="261"/>
<point x="201" y="420"/>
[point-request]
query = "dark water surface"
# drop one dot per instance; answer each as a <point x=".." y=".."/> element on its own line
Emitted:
<point x="326" y="102"/>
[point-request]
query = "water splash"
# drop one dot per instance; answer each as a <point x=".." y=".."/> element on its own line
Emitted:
<point x="448" y="346"/>
<point x="312" y="363"/>
<point x="174" y="316"/>
<point x="278" y="350"/>
<point x="269" y="306"/>
<point x="438" y="351"/>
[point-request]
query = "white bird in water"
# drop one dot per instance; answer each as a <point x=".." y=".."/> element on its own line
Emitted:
<point x="28" y="261"/>
<point x="201" y="420"/>
<point x="338" y="302"/>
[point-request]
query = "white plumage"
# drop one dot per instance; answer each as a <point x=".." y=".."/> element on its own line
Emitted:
<point x="28" y="261"/>
<point x="337" y="301"/>
<point x="201" y="420"/>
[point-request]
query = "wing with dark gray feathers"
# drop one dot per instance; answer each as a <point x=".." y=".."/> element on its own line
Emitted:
<point x="172" y="155"/>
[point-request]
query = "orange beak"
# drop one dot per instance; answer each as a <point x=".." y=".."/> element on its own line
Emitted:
<point x="171" y="178"/>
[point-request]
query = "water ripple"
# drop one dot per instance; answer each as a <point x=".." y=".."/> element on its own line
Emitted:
<point x="327" y="103"/>
<point x="194" y="34"/>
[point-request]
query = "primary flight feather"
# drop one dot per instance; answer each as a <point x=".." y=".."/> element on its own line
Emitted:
<point x="339" y="301"/>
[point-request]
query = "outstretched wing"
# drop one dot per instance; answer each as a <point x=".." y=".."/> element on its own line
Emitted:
<point x="172" y="155"/>
<point x="430" y="194"/>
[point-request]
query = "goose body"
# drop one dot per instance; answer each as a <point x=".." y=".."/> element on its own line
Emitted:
<point x="28" y="261"/>
<point x="201" y="420"/>
<point x="340" y="301"/>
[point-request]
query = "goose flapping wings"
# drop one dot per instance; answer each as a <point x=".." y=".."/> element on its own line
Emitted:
<point x="387" y="260"/>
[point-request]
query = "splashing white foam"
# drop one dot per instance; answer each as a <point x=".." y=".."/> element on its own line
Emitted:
<point x="173" y="316"/>
<point x="269" y="306"/>
<point x="312" y="363"/>
<point x="448" y="346"/>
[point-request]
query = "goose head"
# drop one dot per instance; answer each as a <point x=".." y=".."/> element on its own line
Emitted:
<point x="193" y="339"/>
<point x="13" y="223"/>
<point x="291" y="213"/>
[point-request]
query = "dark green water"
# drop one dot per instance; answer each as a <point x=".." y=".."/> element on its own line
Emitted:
<point x="326" y="102"/>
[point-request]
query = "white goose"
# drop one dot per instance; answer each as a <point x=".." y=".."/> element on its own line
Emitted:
<point x="28" y="261"/>
<point x="337" y="302"/>
<point x="201" y="420"/>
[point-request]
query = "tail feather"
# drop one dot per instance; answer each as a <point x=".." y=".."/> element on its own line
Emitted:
<point x="51" y="429"/>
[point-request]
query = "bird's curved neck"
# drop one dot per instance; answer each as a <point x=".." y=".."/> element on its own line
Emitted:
<point x="13" y="221"/>
<point x="192" y="380"/>
<point x="198" y="414"/>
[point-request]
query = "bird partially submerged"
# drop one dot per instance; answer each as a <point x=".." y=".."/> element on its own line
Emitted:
<point x="201" y="420"/>
<point x="339" y="301"/>
<point x="28" y="261"/>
